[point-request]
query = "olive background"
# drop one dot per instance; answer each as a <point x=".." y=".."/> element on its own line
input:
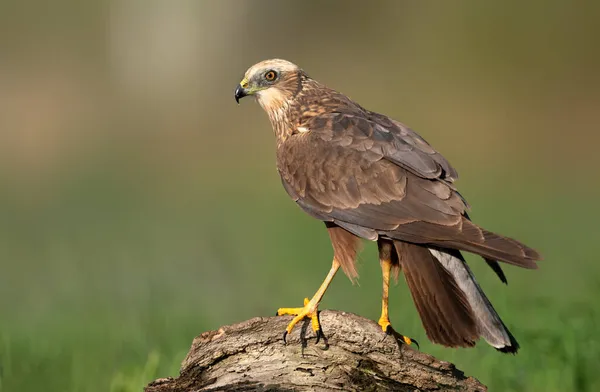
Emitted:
<point x="140" y="206"/>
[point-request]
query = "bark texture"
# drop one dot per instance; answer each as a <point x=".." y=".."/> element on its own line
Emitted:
<point x="251" y="356"/>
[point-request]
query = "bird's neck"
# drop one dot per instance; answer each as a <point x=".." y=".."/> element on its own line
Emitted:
<point x="284" y="106"/>
<point x="283" y="116"/>
<point x="282" y="121"/>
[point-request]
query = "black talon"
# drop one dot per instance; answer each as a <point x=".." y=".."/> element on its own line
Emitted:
<point x="321" y="335"/>
<point x="385" y="335"/>
<point x="412" y="341"/>
<point x="399" y="337"/>
<point x="415" y="342"/>
<point x="284" y="336"/>
<point x="319" y="331"/>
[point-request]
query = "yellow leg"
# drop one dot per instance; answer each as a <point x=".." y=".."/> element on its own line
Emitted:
<point x="310" y="306"/>
<point x="384" y="320"/>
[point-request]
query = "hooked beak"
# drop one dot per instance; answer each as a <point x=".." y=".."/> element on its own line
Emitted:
<point x="240" y="90"/>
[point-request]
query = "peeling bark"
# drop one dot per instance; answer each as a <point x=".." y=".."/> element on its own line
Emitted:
<point x="251" y="356"/>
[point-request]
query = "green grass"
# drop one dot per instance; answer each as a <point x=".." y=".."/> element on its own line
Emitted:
<point x="104" y="285"/>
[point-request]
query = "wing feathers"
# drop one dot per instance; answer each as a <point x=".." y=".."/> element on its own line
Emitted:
<point x="469" y="237"/>
<point x="376" y="177"/>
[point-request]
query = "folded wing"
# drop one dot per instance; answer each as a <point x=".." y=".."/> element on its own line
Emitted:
<point x="375" y="177"/>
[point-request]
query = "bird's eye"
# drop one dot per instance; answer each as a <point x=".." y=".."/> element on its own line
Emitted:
<point x="270" y="76"/>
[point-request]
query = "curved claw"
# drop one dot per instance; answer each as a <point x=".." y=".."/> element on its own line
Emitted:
<point x="308" y="311"/>
<point x="321" y="336"/>
<point x="416" y="343"/>
<point x="284" y="336"/>
<point x="404" y="339"/>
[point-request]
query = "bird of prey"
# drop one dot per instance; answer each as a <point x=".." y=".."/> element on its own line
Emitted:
<point x="367" y="176"/>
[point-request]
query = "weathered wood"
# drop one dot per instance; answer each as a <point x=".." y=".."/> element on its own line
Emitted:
<point x="251" y="356"/>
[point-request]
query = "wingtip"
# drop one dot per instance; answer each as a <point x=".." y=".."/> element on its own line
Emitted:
<point x="535" y="255"/>
<point x="531" y="253"/>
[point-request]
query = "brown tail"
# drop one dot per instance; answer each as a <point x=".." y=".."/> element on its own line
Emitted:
<point x="454" y="310"/>
<point x="443" y="307"/>
<point x="466" y="235"/>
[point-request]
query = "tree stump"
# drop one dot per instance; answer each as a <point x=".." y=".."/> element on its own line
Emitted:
<point x="356" y="356"/>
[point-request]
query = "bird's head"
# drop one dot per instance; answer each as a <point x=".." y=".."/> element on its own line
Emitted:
<point x="273" y="82"/>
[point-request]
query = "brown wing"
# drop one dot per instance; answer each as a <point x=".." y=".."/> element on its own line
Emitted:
<point x="411" y="150"/>
<point x="351" y="170"/>
<point x="383" y="137"/>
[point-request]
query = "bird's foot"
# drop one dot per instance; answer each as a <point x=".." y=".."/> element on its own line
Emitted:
<point x="309" y="310"/>
<point x="386" y="327"/>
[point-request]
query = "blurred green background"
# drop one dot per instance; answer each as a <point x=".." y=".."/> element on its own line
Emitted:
<point x="140" y="206"/>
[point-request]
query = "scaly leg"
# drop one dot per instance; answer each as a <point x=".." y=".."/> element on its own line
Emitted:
<point x="310" y="306"/>
<point x="385" y="256"/>
<point x="384" y="320"/>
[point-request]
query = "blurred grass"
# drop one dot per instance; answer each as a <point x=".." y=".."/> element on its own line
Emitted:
<point x="108" y="289"/>
<point x="140" y="207"/>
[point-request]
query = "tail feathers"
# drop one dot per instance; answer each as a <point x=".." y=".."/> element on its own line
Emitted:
<point x="454" y="310"/>
<point x="444" y="308"/>
<point x="489" y="324"/>
<point x="493" y="264"/>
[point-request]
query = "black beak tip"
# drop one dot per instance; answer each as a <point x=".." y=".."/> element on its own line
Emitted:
<point x="239" y="93"/>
